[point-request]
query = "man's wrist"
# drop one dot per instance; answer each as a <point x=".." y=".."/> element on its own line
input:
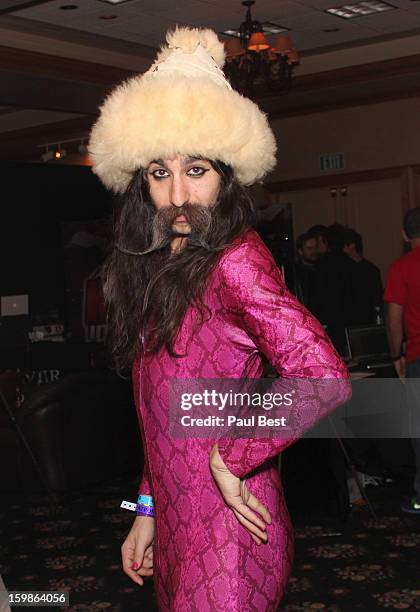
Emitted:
<point x="145" y="505"/>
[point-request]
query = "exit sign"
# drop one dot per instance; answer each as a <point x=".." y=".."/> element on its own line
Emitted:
<point x="331" y="161"/>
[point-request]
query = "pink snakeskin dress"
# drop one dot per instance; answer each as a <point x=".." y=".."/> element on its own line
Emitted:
<point x="204" y="560"/>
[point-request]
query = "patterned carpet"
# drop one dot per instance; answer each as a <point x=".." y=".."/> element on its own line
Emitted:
<point x="362" y="564"/>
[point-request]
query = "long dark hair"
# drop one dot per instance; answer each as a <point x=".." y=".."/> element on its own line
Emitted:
<point x="150" y="293"/>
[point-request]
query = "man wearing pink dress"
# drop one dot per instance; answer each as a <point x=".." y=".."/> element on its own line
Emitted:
<point x="193" y="293"/>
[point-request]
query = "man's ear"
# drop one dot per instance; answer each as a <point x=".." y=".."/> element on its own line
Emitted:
<point x="405" y="237"/>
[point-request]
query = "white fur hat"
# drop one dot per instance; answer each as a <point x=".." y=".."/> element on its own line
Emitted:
<point x="182" y="105"/>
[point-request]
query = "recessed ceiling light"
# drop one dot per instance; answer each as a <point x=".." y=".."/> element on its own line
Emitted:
<point x="114" y="1"/>
<point x="349" y="11"/>
<point x="68" y="7"/>
<point x="231" y="33"/>
<point x="273" y="28"/>
<point x="267" y="27"/>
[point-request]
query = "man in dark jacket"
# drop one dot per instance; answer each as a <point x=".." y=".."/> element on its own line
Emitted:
<point x="334" y="270"/>
<point x="367" y="293"/>
<point x="306" y="281"/>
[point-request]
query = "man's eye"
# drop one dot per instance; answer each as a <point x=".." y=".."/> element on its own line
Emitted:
<point x="197" y="171"/>
<point x="159" y="173"/>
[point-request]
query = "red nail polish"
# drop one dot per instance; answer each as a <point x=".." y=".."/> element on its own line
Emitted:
<point x="135" y="566"/>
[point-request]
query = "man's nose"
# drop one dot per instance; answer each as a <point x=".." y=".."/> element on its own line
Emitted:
<point x="179" y="192"/>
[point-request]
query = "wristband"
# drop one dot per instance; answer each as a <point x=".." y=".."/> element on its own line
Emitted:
<point x="146" y="500"/>
<point x="397" y="357"/>
<point x="145" y="506"/>
<point x="145" y="510"/>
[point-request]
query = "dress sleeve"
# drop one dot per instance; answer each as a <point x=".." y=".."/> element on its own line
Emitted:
<point x="293" y="341"/>
<point x="145" y="486"/>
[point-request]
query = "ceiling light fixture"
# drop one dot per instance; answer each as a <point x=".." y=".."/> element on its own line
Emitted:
<point x="55" y="151"/>
<point x="59" y="153"/>
<point x="82" y="148"/>
<point x="349" y="11"/>
<point x="48" y="155"/>
<point x="253" y="65"/>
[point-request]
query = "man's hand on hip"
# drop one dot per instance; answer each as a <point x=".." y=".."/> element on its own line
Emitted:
<point x="237" y="496"/>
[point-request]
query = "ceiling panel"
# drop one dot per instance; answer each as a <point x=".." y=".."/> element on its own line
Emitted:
<point x="145" y="32"/>
<point x="312" y="20"/>
<point x="146" y="21"/>
<point x="412" y="6"/>
<point x="314" y="38"/>
<point x="185" y="10"/>
<point x="6" y="5"/>
<point x="51" y="10"/>
<point x="279" y="10"/>
<point x="392" y="21"/>
<point x="321" y="5"/>
<point x="165" y="8"/>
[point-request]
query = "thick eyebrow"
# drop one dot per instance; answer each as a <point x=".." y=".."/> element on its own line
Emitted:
<point x="186" y="162"/>
<point x="191" y="160"/>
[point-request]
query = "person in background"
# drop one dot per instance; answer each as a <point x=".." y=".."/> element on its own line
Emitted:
<point x="320" y="234"/>
<point x="402" y="297"/>
<point x="334" y="269"/>
<point x="367" y="291"/>
<point x="307" y="249"/>
<point x="306" y="285"/>
<point x="314" y="468"/>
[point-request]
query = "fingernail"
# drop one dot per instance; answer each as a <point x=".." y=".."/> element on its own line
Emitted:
<point x="135" y="566"/>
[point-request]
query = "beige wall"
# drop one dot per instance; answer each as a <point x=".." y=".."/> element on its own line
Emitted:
<point x="362" y="208"/>
<point x="372" y="136"/>
<point x="359" y="54"/>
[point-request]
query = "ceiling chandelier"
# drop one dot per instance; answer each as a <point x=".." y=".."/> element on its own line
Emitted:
<point x="253" y="66"/>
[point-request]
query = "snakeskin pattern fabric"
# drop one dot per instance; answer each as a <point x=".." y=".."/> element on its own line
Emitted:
<point x="203" y="558"/>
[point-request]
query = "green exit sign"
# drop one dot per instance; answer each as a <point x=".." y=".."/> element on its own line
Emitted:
<point x="331" y="161"/>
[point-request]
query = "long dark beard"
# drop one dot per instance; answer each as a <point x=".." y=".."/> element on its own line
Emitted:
<point x="198" y="216"/>
<point x="147" y="288"/>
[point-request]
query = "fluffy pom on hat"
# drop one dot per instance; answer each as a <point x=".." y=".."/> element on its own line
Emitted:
<point x="182" y="105"/>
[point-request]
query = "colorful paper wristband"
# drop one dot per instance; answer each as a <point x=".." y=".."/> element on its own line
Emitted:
<point x="145" y="500"/>
<point x="145" y="510"/>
